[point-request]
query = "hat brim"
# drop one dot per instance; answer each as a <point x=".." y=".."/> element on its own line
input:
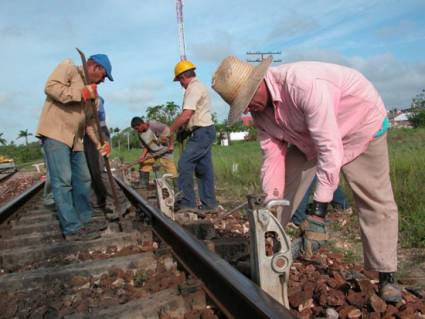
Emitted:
<point x="176" y="78"/>
<point x="247" y="91"/>
<point x="109" y="77"/>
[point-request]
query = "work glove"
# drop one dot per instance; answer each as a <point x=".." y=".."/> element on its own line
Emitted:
<point x="318" y="209"/>
<point x="105" y="149"/>
<point x="89" y="92"/>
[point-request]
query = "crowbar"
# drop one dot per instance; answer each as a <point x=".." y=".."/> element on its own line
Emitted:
<point x="101" y="140"/>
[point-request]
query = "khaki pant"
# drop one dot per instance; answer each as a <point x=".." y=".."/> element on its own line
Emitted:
<point x="167" y="165"/>
<point x="369" y="178"/>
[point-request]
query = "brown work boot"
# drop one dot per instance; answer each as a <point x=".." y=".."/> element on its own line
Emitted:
<point x="388" y="290"/>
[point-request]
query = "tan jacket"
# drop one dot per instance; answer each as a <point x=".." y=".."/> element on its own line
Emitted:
<point x="65" y="117"/>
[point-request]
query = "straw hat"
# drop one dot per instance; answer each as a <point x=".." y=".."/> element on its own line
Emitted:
<point x="236" y="82"/>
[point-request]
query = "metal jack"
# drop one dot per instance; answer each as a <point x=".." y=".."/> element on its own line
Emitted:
<point x="165" y="193"/>
<point x="271" y="256"/>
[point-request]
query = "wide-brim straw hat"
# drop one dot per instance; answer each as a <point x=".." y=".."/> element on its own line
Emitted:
<point x="236" y="82"/>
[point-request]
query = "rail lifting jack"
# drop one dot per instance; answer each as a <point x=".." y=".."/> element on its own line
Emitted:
<point x="165" y="192"/>
<point x="271" y="256"/>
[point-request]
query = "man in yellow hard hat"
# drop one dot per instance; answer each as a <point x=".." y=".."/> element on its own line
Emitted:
<point x="196" y="158"/>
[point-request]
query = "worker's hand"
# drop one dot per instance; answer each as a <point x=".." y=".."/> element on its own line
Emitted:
<point x="171" y="147"/>
<point x="89" y="92"/>
<point x="142" y="158"/>
<point x="105" y="149"/>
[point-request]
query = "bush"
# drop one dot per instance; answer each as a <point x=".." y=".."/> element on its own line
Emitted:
<point x="22" y="153"/>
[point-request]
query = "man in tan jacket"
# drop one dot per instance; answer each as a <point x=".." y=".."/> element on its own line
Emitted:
<point x="66" y="117"/>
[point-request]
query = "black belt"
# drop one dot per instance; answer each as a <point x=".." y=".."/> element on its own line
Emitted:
<point x="194" y="128"/>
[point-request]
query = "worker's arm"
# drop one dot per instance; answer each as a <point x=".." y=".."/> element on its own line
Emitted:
<point x="164" y="136"/>
<point x="181" y="120"/>
<point x="143" y="155"/>
<point x="60" y="84"/>
<point x="318" y="104"/>
<point x="273" y="167"/>
<point x="93" y="134"/>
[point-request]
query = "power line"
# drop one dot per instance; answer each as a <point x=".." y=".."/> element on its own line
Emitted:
<point x="262" y="55"/>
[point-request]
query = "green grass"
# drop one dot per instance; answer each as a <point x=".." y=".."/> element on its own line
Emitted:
<point x="407" y="160"/>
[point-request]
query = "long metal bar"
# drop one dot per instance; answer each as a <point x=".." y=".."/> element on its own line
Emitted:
<point x="9" y="208"/>
<point x="240" y="297"/>
<point x="101" y="140"/>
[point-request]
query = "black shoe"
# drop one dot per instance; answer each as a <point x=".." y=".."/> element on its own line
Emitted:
<point x="81" y="235"/>
<point x="388" y="290"/>
<point x="95" y="227"/>
<point x="99" y="204"/>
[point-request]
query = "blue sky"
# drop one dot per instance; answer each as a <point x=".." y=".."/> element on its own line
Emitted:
<point x="383" y="39"/>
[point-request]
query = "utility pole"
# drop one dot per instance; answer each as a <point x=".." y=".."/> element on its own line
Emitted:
<point x="261" y="55"/>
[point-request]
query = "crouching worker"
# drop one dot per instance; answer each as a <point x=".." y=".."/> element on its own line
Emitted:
<point x="334" y="120"/>
<point x="66" y="117"/>
<point x="153" y="137"/>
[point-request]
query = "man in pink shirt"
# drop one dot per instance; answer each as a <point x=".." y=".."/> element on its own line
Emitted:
<point x="318" y="119"/>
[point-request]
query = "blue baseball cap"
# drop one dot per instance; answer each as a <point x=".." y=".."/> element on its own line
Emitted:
<point x="103" y="60"/>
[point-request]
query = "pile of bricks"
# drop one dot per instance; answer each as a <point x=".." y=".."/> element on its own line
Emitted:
<point x="326" y="287"/>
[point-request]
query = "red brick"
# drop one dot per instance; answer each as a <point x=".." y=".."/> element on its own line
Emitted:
<point x="377" y="304"/>
<point x="357" y="299"/>
<point x="335" y="298"/>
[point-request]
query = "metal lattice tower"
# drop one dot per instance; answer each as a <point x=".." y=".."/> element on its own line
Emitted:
<point x="180" y="28"/>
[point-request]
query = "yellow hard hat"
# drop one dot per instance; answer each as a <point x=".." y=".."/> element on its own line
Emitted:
<point x="183" y="66"/>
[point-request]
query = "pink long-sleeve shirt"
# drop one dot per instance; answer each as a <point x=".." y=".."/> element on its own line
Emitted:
<point x="330" y="112"/>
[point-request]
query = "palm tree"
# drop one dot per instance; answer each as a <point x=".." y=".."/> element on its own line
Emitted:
<point x="2" y="139"/>
<point x="25" y="134"/>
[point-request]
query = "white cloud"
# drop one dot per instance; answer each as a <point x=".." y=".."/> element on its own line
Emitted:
<point x="4" y="99"/>
<point x="397" y="81"/>
<point x="402" y="29"/>
<point x="136" y="96"/>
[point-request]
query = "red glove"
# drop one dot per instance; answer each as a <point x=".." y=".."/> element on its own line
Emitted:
<point x="89" y="92"/>
<point x="104" y="149"/>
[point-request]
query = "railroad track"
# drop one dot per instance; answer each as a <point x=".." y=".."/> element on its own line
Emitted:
<point x="144" y="266"/>
<point x="5" y="175"/>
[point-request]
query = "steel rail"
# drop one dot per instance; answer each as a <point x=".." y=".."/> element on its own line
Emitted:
<point x="6" y="175"/>
<point x="240" y="297"/>
<point x="12" y="206"/>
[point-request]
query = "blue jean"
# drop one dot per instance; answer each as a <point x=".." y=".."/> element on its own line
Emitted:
<point x="339" y="200"/>
<point x="70" y="180"/>
<point x="196" y="158"/>
<point x="48" y="199"/>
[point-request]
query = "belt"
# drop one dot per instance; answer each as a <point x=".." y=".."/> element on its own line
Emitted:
<point x="194" y="128"/>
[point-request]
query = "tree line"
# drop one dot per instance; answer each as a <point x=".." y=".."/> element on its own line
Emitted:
<point x="166" y="113"/>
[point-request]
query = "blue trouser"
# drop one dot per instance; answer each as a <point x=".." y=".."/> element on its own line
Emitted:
<point x="48" y="199"/>
<point x="338" y="200"/>
<point x="196" y="158"/>
<point x="70" y="179"/>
